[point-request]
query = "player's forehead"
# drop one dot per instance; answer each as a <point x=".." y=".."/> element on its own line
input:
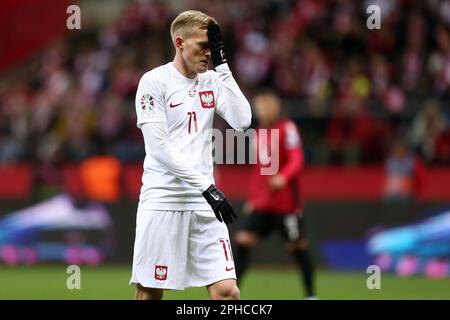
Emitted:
<point x="198" y="34"/>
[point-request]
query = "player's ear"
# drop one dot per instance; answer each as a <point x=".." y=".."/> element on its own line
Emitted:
<point x="179" y="42"/>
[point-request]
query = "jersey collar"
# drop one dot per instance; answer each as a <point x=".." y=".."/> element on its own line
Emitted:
<point x="180" y="76"/>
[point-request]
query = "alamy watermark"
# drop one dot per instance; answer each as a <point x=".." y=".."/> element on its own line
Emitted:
<point x="73" y="21"/>
<point x="74" y="279"/>
<point x="374" y="280"/>
<point x="374" y="20"/>
<point x="239" y="147"/>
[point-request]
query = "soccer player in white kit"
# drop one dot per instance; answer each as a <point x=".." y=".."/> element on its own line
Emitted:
<point x="181" y="237"/>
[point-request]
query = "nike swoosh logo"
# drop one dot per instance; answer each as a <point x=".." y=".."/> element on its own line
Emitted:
<point x="215" y="197"/>
<point x="175" y="105"/>
<point x="228" y="269"/>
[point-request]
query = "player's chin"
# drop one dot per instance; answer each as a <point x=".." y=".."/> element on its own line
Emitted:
<point x="202" y="67"/>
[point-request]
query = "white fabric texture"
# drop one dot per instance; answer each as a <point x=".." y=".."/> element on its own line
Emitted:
<point x="176" y="114"/>
<point x="180" y="249"/>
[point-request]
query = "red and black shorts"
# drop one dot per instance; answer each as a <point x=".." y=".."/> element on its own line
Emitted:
<point x="290" y="226"/>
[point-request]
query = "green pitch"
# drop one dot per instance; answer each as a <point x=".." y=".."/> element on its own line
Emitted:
<point x="111" y="282"/>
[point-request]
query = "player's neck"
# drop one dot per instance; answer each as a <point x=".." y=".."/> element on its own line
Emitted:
<point x="182" y="68"/>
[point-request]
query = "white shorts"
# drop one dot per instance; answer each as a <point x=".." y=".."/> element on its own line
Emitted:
<point x="180" y="249"/>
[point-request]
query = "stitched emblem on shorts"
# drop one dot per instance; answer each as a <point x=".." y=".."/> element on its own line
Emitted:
<point x="161" y="272"/>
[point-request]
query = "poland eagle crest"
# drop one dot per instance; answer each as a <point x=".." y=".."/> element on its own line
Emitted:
<point x="161" y="272"/>
<point x="207" y="99"/>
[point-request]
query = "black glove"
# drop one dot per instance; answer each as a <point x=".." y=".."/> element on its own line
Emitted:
<point x="216" y="44"/>
<point x="220" y="204"/>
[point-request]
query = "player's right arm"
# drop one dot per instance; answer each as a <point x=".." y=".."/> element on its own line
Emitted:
<point x="151" y="119"/>
<point x="153" y="123"/>
<point x="156" y="137"/>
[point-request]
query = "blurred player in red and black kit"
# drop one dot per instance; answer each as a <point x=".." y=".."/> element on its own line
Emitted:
<point x="275" y="200"/>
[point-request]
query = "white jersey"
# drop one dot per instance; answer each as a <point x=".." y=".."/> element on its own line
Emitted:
<point x="175" y="114"/>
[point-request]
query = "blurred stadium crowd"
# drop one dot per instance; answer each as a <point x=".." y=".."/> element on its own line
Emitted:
<point x="353" y="91"/>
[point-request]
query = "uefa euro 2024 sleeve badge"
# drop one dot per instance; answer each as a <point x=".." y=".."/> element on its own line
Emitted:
<point x="146" y="104"/>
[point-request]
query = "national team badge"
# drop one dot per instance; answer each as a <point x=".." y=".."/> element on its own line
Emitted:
<point x="147" y="102"/>
<point x="207" y="99"/>
<point x="161" y="272"/>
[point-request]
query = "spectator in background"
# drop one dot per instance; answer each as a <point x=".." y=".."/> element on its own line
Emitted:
<point x="404" y="173"/>
<point x="414" y="56"/>
<point x="285" y="44"/>
<point x="13" y="125"/>
<point x="349" y="131"/>
<point x="427" y="126"/>
<point x="380" y="75"/>
<point x="442" y="151"/>
<point x="439" y="61"/>
<point x="275" y="200"/>
<point x="315" y="74"/>
<point x="253" y="60"/>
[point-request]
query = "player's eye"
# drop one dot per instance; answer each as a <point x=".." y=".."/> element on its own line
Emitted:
<point x="204" y="46"/>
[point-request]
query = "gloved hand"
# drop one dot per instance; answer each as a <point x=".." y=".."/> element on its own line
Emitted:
<point x="216" y="45"/>
<point x="220" y="204"/>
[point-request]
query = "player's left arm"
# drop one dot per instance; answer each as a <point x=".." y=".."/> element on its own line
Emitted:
<point x="295" y="159"/>
<point x="232" y="104"/>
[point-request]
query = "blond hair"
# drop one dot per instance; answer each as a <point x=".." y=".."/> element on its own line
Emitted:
<point x="187" y="20"/>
